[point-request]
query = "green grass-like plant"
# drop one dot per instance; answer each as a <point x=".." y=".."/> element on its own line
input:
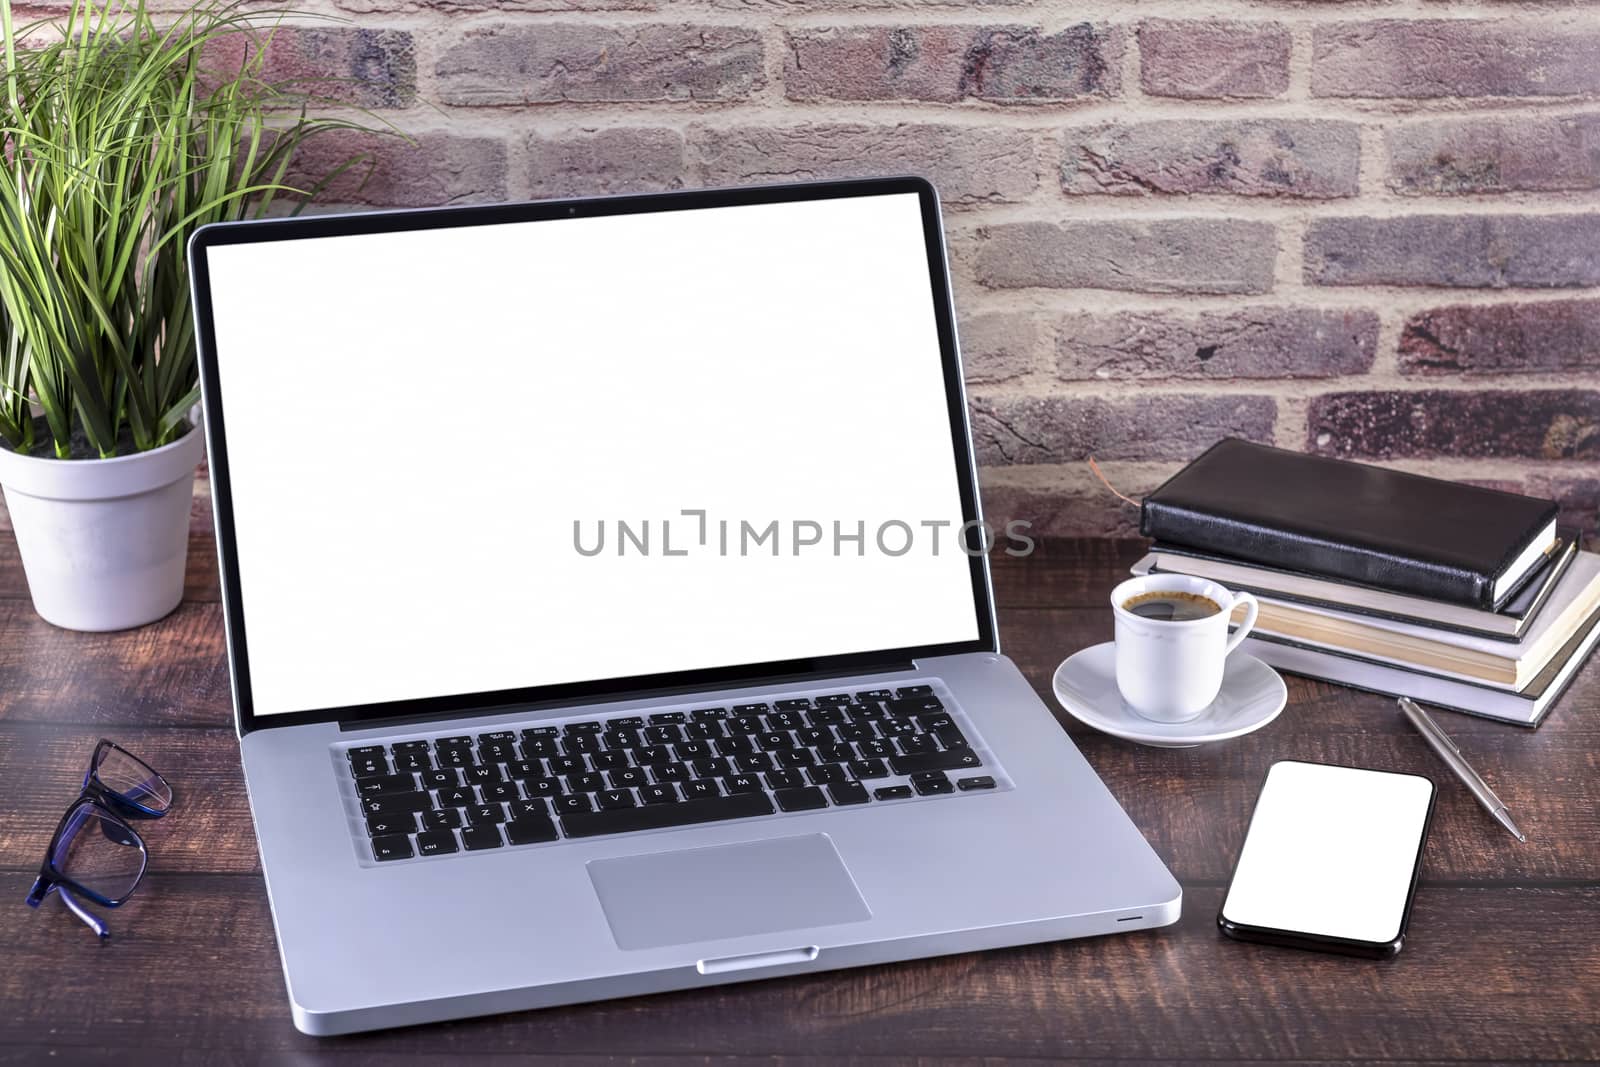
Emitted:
<point x="119" y="136"/>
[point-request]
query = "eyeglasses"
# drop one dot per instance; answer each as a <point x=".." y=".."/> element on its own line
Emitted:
<point x="95" y="853"/>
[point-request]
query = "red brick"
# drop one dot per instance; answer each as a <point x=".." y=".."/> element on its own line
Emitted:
<point x="1495" y="155"/>
<point x="1194" y="255"/>
<point x="1539" y="424"/>
<point x="1061" y="428"/>
<point x="430" y="170"/>
<point x="1579" y="497"/>
<point x="1213" y="59"/>
<point x="1432" y="58"/>
<point x="1253" y="157"/>
<point x="968" y="164"/>
<point x="1551" y="335"/>
<point x="572" y="62"/>
<point x="1488" y="251"/>
<point x="1251" y="342"/>
<point x="592" y="162"/>
<point x="1000" y="346"/>
<point x="371" y="68"/>
<point x="1084" y="508"/>
<point x="950" y="63"/>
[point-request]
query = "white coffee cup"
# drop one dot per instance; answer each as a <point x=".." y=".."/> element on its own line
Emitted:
<point x="1171" y="671"/>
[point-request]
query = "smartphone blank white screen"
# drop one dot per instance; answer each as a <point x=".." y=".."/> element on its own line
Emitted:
<point x="415" y="421"/>
<point x="1331" y="851"/>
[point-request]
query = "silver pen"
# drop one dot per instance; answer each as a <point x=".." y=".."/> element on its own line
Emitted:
<point x="1451" y="755"/>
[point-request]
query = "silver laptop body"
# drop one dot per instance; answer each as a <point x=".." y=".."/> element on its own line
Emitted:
<point x="559" y="671"/>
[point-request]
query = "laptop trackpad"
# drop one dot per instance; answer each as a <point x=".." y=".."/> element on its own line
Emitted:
<point x="704" y="894"/>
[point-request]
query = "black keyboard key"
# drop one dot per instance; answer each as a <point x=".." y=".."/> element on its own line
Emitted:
<point x="663" y="735"/>
<point x="589" y="782"/>
<point x="775" y="740"/>
<point x="745" y="724"/>
<point x="531" y="830"/>
<point x="499" y="791"/>
<point x="785" y="720"/>
<point x="453" y="744"/>
<point x="371" y="768"/>
<point x="582" y="728"/>
<point x="708" y="714"/>
<point x="608" y="761"/>
<point x="386" y="783"/>
<point x="572" y="805"/>
<point x="688" y="750"/>
<point x="828" y="717"/>
<point x="410" y="748"/>
<point x="486" y="814"/>
<point x="981" y="781"/>
<point x="617" y="740"/>
<point x="460" y="797"/>
<point x="525" y="809"/>
<point x="396" y="803"/>
<point x="741" y="783"/>
<point x="543" y="787"/>
<point x="797" y="704"/>
<point x="868" y="768"/>
<point x="825" y="775"/>
<point x="615" y="799"/>
<point x="413" y="761"/>
<point x="539" y="731"/>
<point x="661" y="718"/>
<point x="914" y="706"/>
<point x="481" y="774"/>
<point x="795" y="757"/>
<point x="892" y="792"/>
<point x="453" y="757"/>
<point x="666" y="793"/>
<point x="701" y="788"/>
<point x="950" y="737"/>
<point x="496" y="737"/>
<point x="670" y="772"/>
<point x="662" y="816"/>
<point x="811" y="736"/>
<point x="874" y="694"/>
<point x="736" y="745"/>
<point x="568" y="765"/>
<point x="848" y="793"/>
<point x="913" y="691"/>
<point x="866" y="712"/>
<point x="935" y="720"/>
<point x="652" y="754"/>
<point x="705" y="730"/>
<point x="930" y="787"/>
<point x="711" y="768"/>
<point x="366" y="752"/>
<point x="444" y="778"/>
<point x="476" y="838"/>
<point x="875" y="749"/>
<point x="897" y="728"/>
<point x="954" y="760"/>
<point x="754" y="763"/>
<point x="627" y="777"/>
<point x="917" y="745"/>
<point x="834" y="699"/>
<point x="580" y="744"/>
<point x="441" y="819"/>
<point x="436" y="843"/>
<point x="805" y="798"/>
<point x="627" y="722"/>
<point x="784" y="780"/>
<point x="840" y="753"/>
<point x="383" y="825"/>
<point x="497" y="752"/>
<point x="857" y="731"/>
<point x="749" y="709"/>
<point x="391" y="847"/>
<point x="537" y="747"/>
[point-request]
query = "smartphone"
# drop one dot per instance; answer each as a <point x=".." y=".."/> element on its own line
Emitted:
<point x="1331" y="860"/>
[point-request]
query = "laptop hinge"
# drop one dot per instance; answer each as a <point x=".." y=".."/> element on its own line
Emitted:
<point x="808" y="678"/>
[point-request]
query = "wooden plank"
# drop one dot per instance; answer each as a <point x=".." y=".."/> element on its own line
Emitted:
<point x="1489" y="975"/>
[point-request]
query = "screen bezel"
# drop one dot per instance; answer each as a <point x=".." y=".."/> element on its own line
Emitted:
<point x="261" y="231"/>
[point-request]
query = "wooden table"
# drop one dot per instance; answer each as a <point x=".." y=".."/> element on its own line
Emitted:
<point x="1503" y="961"/>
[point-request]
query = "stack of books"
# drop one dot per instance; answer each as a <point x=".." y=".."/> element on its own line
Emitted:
<point x="1454" y="595"/>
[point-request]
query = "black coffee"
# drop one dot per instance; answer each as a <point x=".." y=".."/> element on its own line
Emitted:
<point x="1168" y="606"/>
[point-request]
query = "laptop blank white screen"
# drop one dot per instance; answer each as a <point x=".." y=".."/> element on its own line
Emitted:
<point x="428" y="433"/>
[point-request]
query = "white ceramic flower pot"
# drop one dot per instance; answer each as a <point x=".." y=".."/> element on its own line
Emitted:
<point x="103" y="541"/>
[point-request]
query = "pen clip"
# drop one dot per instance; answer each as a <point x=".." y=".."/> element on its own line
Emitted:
<point x="1426" y="723"/>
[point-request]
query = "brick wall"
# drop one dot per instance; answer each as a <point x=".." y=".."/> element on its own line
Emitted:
<point x="1366" y="229"/>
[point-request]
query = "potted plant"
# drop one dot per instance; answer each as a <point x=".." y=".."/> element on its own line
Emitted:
<point x="119" y="138"/>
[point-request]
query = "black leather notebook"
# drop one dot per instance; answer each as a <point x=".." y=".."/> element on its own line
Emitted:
<point x="1353" y="522"/>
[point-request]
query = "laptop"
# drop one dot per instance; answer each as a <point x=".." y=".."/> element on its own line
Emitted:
<point x="608" y="606"/>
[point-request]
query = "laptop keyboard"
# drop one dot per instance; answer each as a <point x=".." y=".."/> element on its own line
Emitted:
<point x="510" y="787"/>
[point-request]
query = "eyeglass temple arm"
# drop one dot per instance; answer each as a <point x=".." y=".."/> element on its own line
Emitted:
<point x="101" y="930"/>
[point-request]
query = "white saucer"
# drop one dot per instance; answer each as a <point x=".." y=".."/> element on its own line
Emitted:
<point x="1252" y="695"/>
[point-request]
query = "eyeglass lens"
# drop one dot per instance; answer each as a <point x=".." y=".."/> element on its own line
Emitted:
<point x="132" y="780"/>
<point x="99" y="853"/>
